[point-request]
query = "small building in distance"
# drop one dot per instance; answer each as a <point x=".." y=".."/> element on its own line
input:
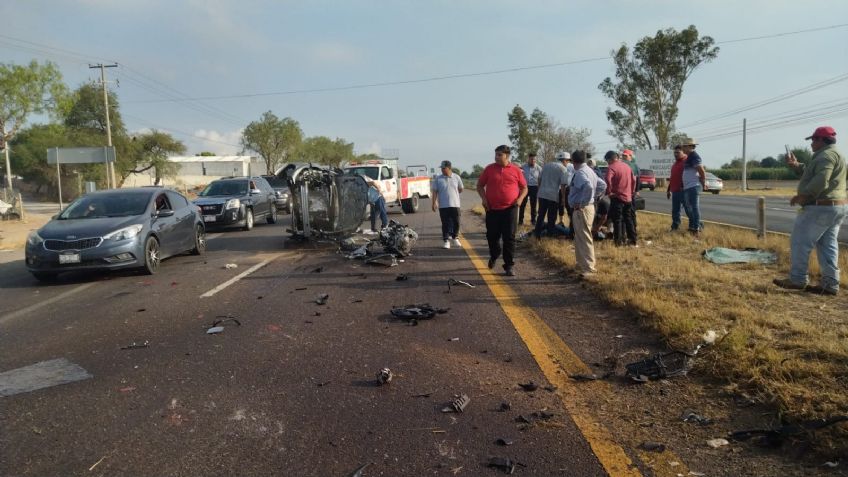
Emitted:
<point x="197" y="171"/>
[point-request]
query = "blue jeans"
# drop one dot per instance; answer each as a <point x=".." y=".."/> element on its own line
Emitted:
<point x="817" y="226"/>
<point x="379" y="207"/>
<point x="691" y="202"/>
<point x="676" y="204"/>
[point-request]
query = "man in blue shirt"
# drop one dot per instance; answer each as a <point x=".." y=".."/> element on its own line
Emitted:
<point x="531" y="171"/>
<point x="446" y="190"/>
<point x="585" y="187"/>
<point x="694" y="181"/>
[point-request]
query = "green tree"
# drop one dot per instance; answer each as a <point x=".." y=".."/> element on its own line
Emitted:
<point x="206" y="154"/>
<point x="476" y="170"/>
<point x="649" y="83"/>
<point x="323" y="150"/>
<point x="769" y="162"/>
<point x="28" y="156"/>
<point x="24" y="90"/>
<point x="154" y="148"/>
<point x="520" y="133"/>
<point x="274" y="139"/>
<point x="368" y="157"/>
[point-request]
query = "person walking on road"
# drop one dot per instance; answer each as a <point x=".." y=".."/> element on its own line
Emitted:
<point x="585" y="187"/>
<point x="822" y="197"/>
<point x="446" y="190"/>
<point x="620" y="187"/>
<point x="531" y="171"/>
<point x="694" y="181"/>
<point x="627" y="157"/>
<point x="378" y="205"/>
<point x="552" y="182"/>
<point x="502" y="187"/>
<point x="675" y="187"/>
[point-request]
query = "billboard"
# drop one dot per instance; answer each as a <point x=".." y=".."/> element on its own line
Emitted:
<point x="80" y="155"/>
<point x="657" y="160"/>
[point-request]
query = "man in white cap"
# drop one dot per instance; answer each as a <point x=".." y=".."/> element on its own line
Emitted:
<point x="552" y="181"/>
<point x="446" y="190"/>
<point x="531" y="174"/>
<point x="822" y="197"/>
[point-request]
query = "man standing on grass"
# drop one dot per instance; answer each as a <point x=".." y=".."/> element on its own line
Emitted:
<point x="627" y="157"/>
<point x="822" y="197"/>
<point x="552" y="184"/>
<point x="446" y="190"/>
<point x="620" y="188"/>
<point x="502" y="187"/>
<point x="675" y="187"/>
<point x="531" y="172"/>
<point x="694" y="181"/>
<point x="585" y="187"/>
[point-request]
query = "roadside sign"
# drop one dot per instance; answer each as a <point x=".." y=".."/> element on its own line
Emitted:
<point x="80" y="155"/>
<point x="657" y="160"/>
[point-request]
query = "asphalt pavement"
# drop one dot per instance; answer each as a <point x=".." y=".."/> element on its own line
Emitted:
<point x="737" y="210"/>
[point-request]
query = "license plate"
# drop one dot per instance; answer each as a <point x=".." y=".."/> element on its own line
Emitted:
<point x="69" y="258"/>
<point x="209" y="218"/>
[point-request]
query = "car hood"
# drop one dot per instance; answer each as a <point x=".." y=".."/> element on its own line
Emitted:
<point x="214" y="200"/>
<point x="84" y="228"/>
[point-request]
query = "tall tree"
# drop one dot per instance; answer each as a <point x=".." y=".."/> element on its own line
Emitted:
<point x="24" y="90"/>
<point x="520" y="133"/>
<point x="649" y="83"/>
<point x="154" y="148"/>
<point x="323" y="150"/>
<point x="274" y="139"/>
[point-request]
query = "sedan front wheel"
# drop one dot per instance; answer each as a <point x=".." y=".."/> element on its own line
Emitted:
<point x="152" y="256"/>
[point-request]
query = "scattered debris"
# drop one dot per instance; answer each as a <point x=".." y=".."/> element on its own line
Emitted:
<point x="453" y="339"/>
<point x="619" y="336"/>
<point x="505" y="406"/>
<point x="776" y="437"/>
<point x="691" y="416"/>
<point x="217" y="326"/>
<point x="358" y="471"/>
<point x="215" y="330"/>
<point x="716" y="443"/>
<point x="660" y="366"/>
<point x="135" y="345"/>
<point x="453" y="281"/>
<point x="357" y="300"/>
<point x="415" y="312"/>
<point x="504" y="463"/>
<point x="318" y="270"/>
<point x="398" y="239"/>
<point x="127" y="389"/>
<point x="723" y="256"/>
<point x="523" y="420"/>
<point x="652" y="446"/>
<point x="386" y="259"/>
<point x="502" y="441"/>
<point x="458" y="404"/>
<point x="831" y="464"/>
<point x="230" y="266"/>
<point x="423" y="395"/>
<point x="300" y="289"/>
<point x="323" y="383"/>
<point x="402" y="277"/>
<point x="141" y="310"/>
<point x="322" y="299"/>
<point x="543" y="415"/>
<point x="584" y="377"/>
<point x="96" y="463"/>
<point x="550" y="388"/>
<point x="529" y="387"/>
<point x="384" y="376"/>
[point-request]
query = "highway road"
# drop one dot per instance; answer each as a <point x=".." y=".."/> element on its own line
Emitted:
<point x="737" y="210"/>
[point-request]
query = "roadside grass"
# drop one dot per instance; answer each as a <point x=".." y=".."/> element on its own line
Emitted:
<point x="786" y="348"/>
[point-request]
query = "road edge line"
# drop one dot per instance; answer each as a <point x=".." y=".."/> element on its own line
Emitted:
<point x="42" y="304"/>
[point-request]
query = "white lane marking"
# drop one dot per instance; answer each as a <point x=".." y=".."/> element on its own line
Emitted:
<point x="238" y="277"/>
<point x="42" y="304"/>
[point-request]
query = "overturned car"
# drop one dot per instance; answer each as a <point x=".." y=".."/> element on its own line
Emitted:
<point x="326" y="203"/>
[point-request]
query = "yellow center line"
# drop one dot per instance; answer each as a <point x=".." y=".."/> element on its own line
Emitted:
<point x="557" y="361"/>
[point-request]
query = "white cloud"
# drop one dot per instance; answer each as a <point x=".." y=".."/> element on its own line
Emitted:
<point x="335" y="53"/>
<point x="374" y="148"/>
<point x="223" y="143"/>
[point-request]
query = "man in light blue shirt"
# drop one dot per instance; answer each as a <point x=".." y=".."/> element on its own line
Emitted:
<point x="552" y="183"/>
<point x="531" y="171"/>
<point x="585" y="187"/>
<point x="446" y="190"/>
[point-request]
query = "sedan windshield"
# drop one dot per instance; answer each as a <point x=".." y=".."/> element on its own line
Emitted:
<point x="225" y="188"/>
<point x="106" y="205"/>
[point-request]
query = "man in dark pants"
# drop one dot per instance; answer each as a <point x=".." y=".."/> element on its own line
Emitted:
<point x="619" y="181"/>
<point x="531" y="171"/>
<point x="446" y="191"/>
<point x="627" y="157"/>
<point x="502" y="187"/>
<point x="552" y="184"/>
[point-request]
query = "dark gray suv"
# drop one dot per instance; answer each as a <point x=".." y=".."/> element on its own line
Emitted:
<point x="237" y="201"/>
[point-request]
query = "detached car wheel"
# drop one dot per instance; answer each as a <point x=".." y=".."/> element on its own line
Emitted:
<point x="248" y="219"/>
<point x="199" y="240"/>
<point x="152" y="257"/>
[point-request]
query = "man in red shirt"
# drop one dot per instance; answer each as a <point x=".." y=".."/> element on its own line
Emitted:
<point x="502" y="187"/>
<point x="621" y="187"/>
<point x="675" y="187"/>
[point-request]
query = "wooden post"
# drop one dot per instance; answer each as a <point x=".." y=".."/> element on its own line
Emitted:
<point x="21" y="207"/>
<point x="761" y="217"/>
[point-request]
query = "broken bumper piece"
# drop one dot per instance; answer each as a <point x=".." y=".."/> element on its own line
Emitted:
<point x="417" y="312"/>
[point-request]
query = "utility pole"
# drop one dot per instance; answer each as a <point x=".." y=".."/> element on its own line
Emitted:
<point x="5" y="147"/>
<point x="110" y="167"/>
<point x="744" y="159"/>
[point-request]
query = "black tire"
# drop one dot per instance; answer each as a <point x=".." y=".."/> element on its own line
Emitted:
<point x="152" y="257"/>
<point x="45" y="277"/>
<point x="715" y="192"/>
<point x="410" y="206"/>
<point x="289" y="206"/>
<point x="652" y="188"/>
<point x="248" y="219"/>
<point x="272" y="216"/>
<point x="199" y="240"/>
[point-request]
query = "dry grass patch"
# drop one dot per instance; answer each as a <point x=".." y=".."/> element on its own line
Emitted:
<point x="789" y="348"/>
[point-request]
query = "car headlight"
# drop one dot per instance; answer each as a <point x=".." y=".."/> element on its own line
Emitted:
<point x="33" y="238"/>
<point x="125" y="233"/>
<point x="232" y="204"/>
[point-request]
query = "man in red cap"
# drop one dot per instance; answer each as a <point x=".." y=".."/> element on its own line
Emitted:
<point x="824" y="204"/>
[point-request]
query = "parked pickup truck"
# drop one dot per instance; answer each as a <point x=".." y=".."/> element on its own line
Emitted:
<point x="400" y="188"/>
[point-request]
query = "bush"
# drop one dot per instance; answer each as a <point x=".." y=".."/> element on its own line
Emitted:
<point x="756" y="174"/>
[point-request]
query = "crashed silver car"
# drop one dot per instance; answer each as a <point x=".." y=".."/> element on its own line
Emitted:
<point x="326" y="203"/>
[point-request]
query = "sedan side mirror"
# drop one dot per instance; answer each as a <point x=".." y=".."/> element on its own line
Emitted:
<point x="164" y="213"/>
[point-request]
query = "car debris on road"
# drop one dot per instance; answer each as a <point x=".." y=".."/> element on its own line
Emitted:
<point x="384" y="376"/>
<point x="135" y="345"/>
<point x="458" y="404"/>
<point x="322" y="299"/>
<point x="422" y="311"/>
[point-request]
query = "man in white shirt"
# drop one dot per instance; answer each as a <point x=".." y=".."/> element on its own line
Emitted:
<point x="446" y="190"/>
<point x="531" y="171"/>
<point x="552" y="180"/>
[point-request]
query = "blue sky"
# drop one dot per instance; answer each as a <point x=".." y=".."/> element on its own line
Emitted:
<point x="194" y="48"/>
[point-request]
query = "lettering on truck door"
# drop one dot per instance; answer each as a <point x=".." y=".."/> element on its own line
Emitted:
<point x="390" y="191"/>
